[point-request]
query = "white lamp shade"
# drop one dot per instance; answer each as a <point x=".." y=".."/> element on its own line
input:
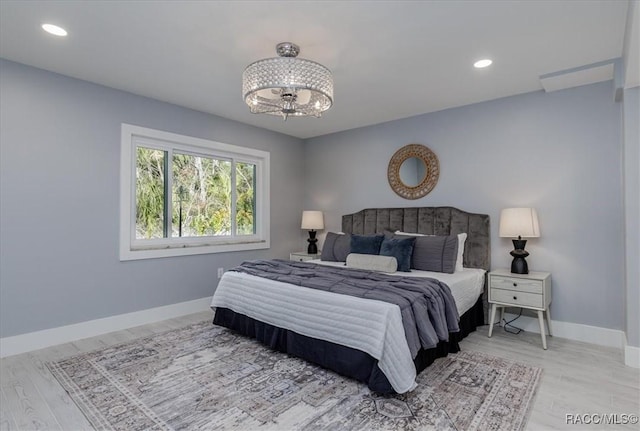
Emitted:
<point x="522" y="222"/>
<point x="312" y="220"/>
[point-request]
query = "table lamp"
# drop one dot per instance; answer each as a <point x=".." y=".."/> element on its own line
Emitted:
<point x="521" y="223"/>
<point x="312" y="220"/>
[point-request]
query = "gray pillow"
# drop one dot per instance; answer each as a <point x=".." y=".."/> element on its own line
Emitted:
<point x="372" y="262"/>
<point x="336" y="247"/>
<point x="434" y="253"/>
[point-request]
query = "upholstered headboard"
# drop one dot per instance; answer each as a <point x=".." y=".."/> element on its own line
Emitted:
<point x="430" y="221"/>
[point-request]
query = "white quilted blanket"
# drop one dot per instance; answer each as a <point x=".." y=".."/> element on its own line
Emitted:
<point x="374" y="327"/>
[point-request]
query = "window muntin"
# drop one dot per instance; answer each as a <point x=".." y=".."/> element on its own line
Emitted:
<point x="183" y="195"/>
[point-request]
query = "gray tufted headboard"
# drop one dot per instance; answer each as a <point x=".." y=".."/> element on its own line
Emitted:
<point x="430" y="221"/>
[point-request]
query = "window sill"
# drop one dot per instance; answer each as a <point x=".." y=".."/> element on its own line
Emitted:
<point x="189" y="250"/>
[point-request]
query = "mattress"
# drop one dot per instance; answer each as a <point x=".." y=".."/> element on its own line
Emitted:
<point x="466" y="285"/>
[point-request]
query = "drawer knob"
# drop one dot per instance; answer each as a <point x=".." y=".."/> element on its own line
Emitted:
<point x="515" y="284"/>
<point x="515" y="297"/>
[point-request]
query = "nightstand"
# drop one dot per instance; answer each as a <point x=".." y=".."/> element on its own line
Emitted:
<point x="301" y="256"/>
<point x="531" y="291"/>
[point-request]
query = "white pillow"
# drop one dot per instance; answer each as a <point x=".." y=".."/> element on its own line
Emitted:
<point x="462" y="238"/>
<point x="372" y="262"/>
<point x="398" y="232"/>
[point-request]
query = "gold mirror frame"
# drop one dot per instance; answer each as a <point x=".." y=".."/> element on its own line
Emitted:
<point x="432" y="167"/>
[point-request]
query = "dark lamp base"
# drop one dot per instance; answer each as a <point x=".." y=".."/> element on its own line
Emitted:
<point x="313" y="247"/>
<point x="519" y="265"/>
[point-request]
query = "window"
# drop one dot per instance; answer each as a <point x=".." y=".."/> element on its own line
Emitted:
<point x="182" y="195"/>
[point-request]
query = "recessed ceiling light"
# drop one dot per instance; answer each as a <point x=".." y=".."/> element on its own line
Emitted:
<point x="482" y="63"/>
<point x="54" y="29"/>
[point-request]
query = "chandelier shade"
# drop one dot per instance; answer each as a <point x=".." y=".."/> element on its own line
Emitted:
<point x="287" y="85"/>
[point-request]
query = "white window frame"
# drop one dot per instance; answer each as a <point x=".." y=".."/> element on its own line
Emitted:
<point x="132" y="248"/>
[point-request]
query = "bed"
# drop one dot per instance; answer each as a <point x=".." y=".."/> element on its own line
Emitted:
<point x="357" y="337"/>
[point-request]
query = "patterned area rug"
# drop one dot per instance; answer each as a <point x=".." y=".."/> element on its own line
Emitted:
<point x="206" y="377"/>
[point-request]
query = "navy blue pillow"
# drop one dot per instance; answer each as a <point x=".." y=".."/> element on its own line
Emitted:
<point x="401" y="249"/>
<point x="366" y="244"/>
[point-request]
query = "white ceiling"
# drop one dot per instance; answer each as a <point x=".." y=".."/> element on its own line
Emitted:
<point x="390" y="59"/>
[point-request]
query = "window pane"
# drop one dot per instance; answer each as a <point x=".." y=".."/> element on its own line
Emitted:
<point x="246" y="198"/>
<point x="149" y="193"/>
<point x="201" y="196"/>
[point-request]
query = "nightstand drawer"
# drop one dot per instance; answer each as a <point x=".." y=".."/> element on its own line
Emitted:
<point x="303" y="257"/>
<point x="522" y="285"/>
<point x="516" y="298"/>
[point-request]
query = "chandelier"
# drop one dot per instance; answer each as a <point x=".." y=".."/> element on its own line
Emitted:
<point x="287" y="85"/>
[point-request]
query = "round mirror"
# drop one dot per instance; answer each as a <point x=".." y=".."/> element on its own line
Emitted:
<point x="413" y="171"/>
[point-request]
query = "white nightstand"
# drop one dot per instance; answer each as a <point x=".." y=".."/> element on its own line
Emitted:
<point x="532" y="291"/>
<point x="301" y="256"/>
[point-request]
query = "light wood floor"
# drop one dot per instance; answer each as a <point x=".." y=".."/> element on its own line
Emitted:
<point x="578" y="378"/>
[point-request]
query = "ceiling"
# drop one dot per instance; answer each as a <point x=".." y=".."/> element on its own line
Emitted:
<point x="390" y="59"/>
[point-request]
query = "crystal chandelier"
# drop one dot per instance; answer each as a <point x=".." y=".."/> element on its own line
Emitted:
<point x="287" y="85"/>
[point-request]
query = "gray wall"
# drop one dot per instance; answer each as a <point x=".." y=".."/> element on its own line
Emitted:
<point x="631" y="106"/>
<point x="559" y="152"/>
<point x="59" y="179"/>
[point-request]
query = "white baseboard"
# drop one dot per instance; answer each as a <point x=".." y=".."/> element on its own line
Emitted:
<point x="49" y="337"/>
<point x="632" y="356"/>
<point x="574" y="331"/>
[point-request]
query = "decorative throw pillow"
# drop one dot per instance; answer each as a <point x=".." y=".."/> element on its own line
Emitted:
<point x="435" y="253"/>
<point x="462" y="238"/>
<point x="342" y="247"/>
<point x="366" y="244"/>
<point x="336" y="247"/>
<point x="401" y="249"/>
<point x="372" y="262"/>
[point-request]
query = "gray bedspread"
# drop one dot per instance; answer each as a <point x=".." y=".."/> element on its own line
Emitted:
<point x="427" y="307"/>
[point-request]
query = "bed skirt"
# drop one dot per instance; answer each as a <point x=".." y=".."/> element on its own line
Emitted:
<point x="344" y="360"/>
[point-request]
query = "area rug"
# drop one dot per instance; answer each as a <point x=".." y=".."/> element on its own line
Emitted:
<point x="206" y="377"/>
